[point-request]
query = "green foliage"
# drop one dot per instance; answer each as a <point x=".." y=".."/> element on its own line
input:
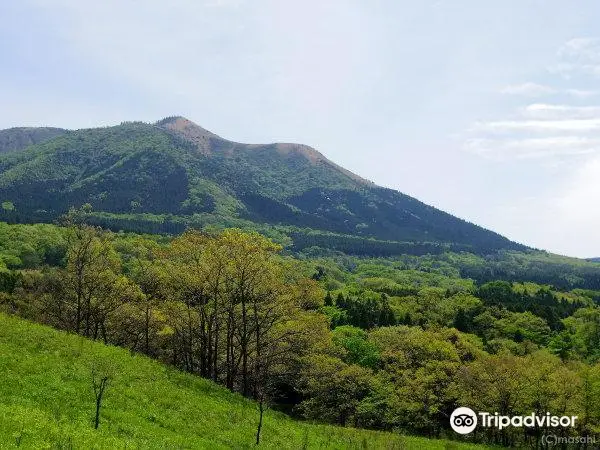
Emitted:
<point x="529" y="266"/>
<point x="537" y="382"/>
<point x="334" y="389"/>
<point x="8" y="206"/>
<point x="359" y="350"/>
<point x="414" y="384"/>
<point x="29" y="246"/>
<point x="583" y="333"/>
<point x="389" y="344"/>
<point x="542" y="301"/>
<point x="47" y="400"/>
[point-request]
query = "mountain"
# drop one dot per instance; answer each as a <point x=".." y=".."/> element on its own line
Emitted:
<point x="47" y="401"/>
<point x="151" y="176"/>
<point x="20" y="138"/>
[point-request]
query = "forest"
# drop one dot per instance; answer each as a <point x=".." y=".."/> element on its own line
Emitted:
<point x="383" y="343"/>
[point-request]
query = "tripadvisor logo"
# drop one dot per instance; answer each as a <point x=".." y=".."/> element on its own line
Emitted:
<point x="465" y="420"/>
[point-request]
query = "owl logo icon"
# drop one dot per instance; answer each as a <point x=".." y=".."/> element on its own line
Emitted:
<point x="463" y="420"/>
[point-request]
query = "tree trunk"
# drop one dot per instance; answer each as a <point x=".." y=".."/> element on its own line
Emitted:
<point x="98" y="405"/>
<point x="99" y="391"/>
<point x="230" y="351"/>
<point x="244" y="350"/>
<point x="147" y="329"/>
<point x="260" y="420"/>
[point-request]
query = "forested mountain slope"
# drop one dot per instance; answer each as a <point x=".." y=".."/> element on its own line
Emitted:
<point x="176" y="171"/>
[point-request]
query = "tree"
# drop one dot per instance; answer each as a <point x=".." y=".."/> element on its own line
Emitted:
<point x="307" y="291"/>
<point x="102" y="374"/>
<point x="196" y="269"/>
<point x="340" y="301"/>
<point x="589" y="407"/>
<point x="90" y="277"/>
<point x="328" y="299"/>
<point x="8" y="206"/>
<point x="523" y="326"/>
<point x="233" y="297"/>
<point x="386" y="315"/>
<point x="153" y="281"/>
<point x="584" y="326"/>
<point x="562" y="345"/>
<point x="461" y="321"/>
<point x="421" y="365"/>
<point x="238" y="312"/>
<point x="253" y="290"/>
<point x="359" y="350"/>
<point x="333" y="389"/>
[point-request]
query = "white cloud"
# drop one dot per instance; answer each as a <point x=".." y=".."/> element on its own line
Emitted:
<point x="548" y="111"/>
<point x="578" y="56"/>
<point x="585" y="49"/>
<point x="581" y="93"/>
<point x="568" y="70"/>
<point x="560" y="141"/>
<point x="532" y="148"/>
<point x="539" y="126"/>
<point x="528" y="89"/>
<point x="548" y="132"/>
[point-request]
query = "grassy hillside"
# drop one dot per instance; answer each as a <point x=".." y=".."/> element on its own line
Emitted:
<point x="47" y="401"/>
<point x="177" y="169"/>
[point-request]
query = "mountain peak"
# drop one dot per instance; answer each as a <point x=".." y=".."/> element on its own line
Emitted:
<point x="19" y="138"/>
<point x="189" y="131"/>
<point x="201" y="138"/>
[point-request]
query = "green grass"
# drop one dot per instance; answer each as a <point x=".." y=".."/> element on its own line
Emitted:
<point x="47" y="401"/>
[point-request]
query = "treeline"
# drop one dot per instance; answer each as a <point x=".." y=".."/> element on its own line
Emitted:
<point x="166" y="224"/>
<point x="362" y="246"/>
<point x="542" y="303"/>
<point x="539" y="267"/>
<point x="364" y="312"/>
<point x="499" y="325"/>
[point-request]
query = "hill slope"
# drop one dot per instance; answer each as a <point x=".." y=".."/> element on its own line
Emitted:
<point x="47" y="401"/>
<point x="176" y="167"/>
<point x="20" y="138"/>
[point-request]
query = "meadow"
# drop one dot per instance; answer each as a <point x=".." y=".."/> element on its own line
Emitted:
<point x="47" y="401"/>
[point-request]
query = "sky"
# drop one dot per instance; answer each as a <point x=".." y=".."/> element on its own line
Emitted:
<point x="487" y="110"/>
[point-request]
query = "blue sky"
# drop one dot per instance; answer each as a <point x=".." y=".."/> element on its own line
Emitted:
<point x="488" y="110"/>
